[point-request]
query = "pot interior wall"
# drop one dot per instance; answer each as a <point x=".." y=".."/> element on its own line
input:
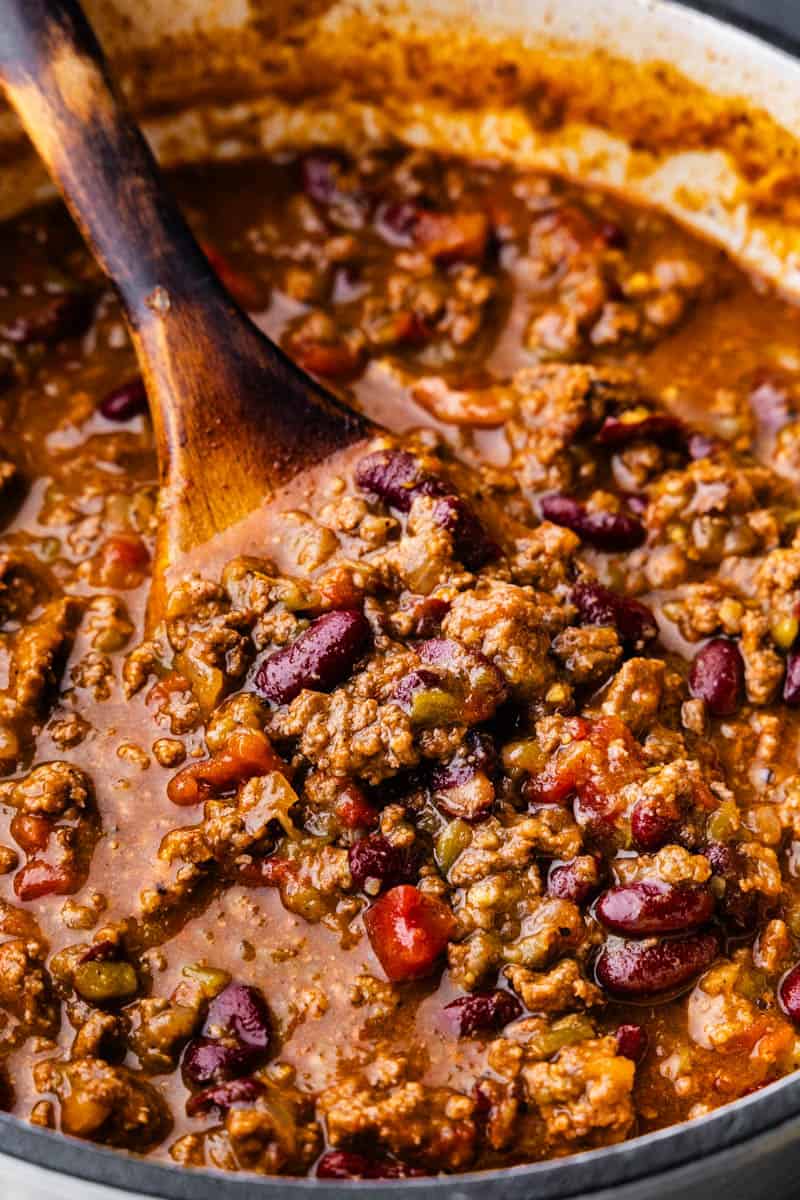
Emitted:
<point x="649" y="100"/>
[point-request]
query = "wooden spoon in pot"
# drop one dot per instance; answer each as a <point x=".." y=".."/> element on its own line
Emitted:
<point x="234" y="418"/>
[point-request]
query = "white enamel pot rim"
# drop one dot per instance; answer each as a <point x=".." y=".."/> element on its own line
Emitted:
<point x="732" y="1148"/>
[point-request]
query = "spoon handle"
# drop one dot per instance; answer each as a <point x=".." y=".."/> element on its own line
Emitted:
<point x="234" y="418"/>
<point x="55" y="75"/>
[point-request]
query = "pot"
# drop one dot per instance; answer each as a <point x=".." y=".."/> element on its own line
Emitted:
<point x="661" y="104"/>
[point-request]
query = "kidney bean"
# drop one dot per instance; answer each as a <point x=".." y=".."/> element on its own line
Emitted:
<point x="648" y="908"/>
<point x="240" y="1012"/>
<point x="65" y="315"/>
<point x="598" y="605"/>
<point x="395" y="221"/>
<point x="463" y="786"/>
<point x="103" y="951"/>
<point x="482" y="1011"/>
<point x="420" y="680"/>
<point x="632" y="1042"/>
<point x="346" y="1164"/>
<point x="717" y="676"/>
<point x="471" y="543"/>
<point x="223" y="1096"/>
<point x="791" y="683"/>
<point x="321" y="170"/>
<point x="740" y="910"/>
<point x="612" y="235"/>
<point x="375" y="857"/>
<point x="207" y="1061"/>
<point x="396" y="477"/>
<point x="662" y="428"/>
<point x="322" y="656"/>
<point x="642" y="970"/>
<point x="478" y="682"/>
<point x="609" y="531"/>
<point x="575" y="880"/>
<point x="652" y="826"/>
<point x="408" y="930"/>
<point x="427" y="612"/>
<point x="125" y="402"/>
<point x="789" y="993"/>
<point x="478" y="753"/>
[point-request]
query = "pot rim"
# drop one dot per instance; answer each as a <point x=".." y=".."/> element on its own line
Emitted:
<point x="659" y="1153"/>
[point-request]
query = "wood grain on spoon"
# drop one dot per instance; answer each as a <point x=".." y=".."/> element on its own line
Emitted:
<point x="235" y="419"/>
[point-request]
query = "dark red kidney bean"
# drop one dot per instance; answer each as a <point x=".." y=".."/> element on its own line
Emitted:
<point x="346" y="1164"/>
<point x="598" y="605"/>
<point x="450" y="781"/>
<point x="396" y="220"/>
<point x="632" y="1042"/>
<point x="224" y="1096"/>
<point x="482" y="1011"/>
<point x="667" y="431"/>
<point x="207" y="1061"/>
<point x="643" y="970"/>
<point x="472" y="677"/>
<point x="478" y="753"/>
<point x="396" y="477"/>
<point x="126" y="402"/>
<point x="429" y="612"/>
<point x="65" y="315"/>
<point x="321" y="170"/>
<point x="240" y="1012"/>
<point x="613" y="235"/>
<point x="647" y="909"/>
<point x="105" y="951"/>
<point x="789" y="993"/>
<point x="420" y="680"/>
<point x="791" y="683"/>
<point x="607" y="531"/>
<point x="717" y="676"/>
<point x="318" y="659"/>
<point x="471" y="543"/>
<point x="741" y="910"/>
<point x="575" y="880"/>
<point x="374" y="857"/>
<point x="652" y="826"/>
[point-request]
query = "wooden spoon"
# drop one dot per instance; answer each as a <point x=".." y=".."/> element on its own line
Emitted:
<point x="234" y="418"/>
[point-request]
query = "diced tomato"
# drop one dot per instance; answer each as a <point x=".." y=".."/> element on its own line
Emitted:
<point x="452" y="237"/>
<point x="244" y="290"/>
<point x="354" y="809"/>
<point x="121" y="562"/>
<point x="31" y="832"/>
<point x="246" y="753"/>
<point x="39" y="878"/>
<point x="408" y="931"/>
<point x="590" y="770"/>
<point x="334" y="360"/>
<point x="264" y="872"/>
